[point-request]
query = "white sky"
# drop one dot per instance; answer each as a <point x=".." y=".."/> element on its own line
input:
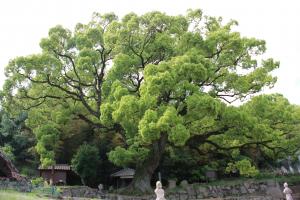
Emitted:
<point x="24" y="22"/>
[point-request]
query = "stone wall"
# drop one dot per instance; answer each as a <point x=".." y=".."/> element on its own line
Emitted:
<point x="264" y="190"/>
<point x="255" y="190"/>
<point x="122" y="197"/>
<point x="268" y="190"/>
<point x="81" y="191"/>
<point x="21" y="186"/>
<point x="250" y="190"/>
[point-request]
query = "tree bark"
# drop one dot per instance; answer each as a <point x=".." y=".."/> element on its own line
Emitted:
<point x="143" y="174"/>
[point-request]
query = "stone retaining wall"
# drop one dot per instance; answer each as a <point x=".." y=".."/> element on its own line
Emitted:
<point x="196" y="191"/>
<point x="81" y="191"/>
<point x="268" y="190"/>
<point x="21" y="186"/>
<point x="120" y="197"/>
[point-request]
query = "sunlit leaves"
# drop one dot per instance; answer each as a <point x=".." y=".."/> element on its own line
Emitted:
<point x="244" y="167"/>
<point x="147" y="78"/>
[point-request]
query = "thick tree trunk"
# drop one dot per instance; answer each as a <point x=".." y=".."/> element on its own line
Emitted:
<point x="143" y="174"/>
<point x="142" y="179"/>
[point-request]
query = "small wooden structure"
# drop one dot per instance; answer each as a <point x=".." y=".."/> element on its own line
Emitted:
<point x="8" y="170"/>
<point x="123" y="177"/>
<point x="59" y="173"/>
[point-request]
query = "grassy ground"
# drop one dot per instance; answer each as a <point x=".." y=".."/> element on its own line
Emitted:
<point x="13" y="195"/>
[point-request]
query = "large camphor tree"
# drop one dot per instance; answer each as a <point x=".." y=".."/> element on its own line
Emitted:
<point x="152" y="80"/>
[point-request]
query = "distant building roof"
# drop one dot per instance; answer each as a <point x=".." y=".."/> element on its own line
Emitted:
<point x="124" y="173"/>
<point x="64" y="167"/>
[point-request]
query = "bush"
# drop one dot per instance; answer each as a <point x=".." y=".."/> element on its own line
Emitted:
<point x="244" y="167"/>
<point x="8" y="152"/>
<point x="37" y="181"/>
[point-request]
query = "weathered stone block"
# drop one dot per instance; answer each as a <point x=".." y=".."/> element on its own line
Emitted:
<point x="243" y="190"/>
<point x="171" y="184"/>
<point x="184" y="183"/>
<point x="274" y="192"/>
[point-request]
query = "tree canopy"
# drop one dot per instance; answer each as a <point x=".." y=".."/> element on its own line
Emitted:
<point x="152" y="81"/>
<point x="17" y="141"/>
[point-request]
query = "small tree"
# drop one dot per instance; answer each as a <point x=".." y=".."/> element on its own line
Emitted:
<point x="85" y="163"/>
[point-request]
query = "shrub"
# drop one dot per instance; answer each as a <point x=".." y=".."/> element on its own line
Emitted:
<point x="244" y="167"/>
<point x="37" y="181"/>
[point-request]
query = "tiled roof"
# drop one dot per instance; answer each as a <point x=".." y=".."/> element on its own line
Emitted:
<point x="57" y="167"/>
<point x="127" y="172"/>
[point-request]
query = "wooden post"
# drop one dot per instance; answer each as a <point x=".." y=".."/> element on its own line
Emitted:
<point x="52" y="174"/>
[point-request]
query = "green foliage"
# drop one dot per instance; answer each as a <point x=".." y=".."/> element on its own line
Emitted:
<point x="8" y="151"/>
<point x="85" y="163"/>
<point x="39" y="181"/>
<point x="47" y="136"/>
<point x="16" y="140"/>
<point x="244" y="167"/>
<point x="152" y="82"/>
<point x="181" y="94"/>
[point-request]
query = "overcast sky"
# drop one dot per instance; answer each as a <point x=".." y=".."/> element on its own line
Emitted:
<point x="24" y="22"/>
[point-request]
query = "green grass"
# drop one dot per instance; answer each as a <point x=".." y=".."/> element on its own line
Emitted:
<point x="13" y="195"/>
